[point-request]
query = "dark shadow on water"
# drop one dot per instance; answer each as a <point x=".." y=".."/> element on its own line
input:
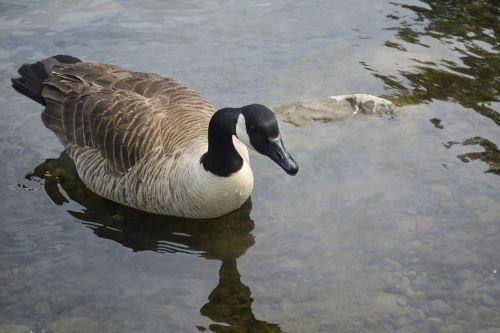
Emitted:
<point x="470" y="76"/>
<point x="224" y="239"/>
<point x="490" y="155"/>
<point x="471" y="32"/>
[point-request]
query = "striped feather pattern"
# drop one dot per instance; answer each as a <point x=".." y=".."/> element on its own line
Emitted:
<point x="137" y="138"/>
<point x="125" y="114"/>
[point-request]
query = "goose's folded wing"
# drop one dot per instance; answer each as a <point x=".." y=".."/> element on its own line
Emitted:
<point x="149" y="85"/>
<point x="122" y="125"/>
<point x="123" y="114"/>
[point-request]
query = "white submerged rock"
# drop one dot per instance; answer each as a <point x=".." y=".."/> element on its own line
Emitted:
<point x="366" y="104"/>
<point x="333" y="108"/>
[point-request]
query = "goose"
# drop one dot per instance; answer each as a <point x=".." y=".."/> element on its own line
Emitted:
<point x="150" y="142"/>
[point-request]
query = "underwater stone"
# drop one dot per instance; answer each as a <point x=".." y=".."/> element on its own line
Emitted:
<point x="452" y="329"/>
<point x="367" y="104"/>
<point x="440" y="307"/>
<point x="465" y="274"/>
<point x="488" y="300"/>
<point x="14" y="329"/>
<point x="421" y="279"/>
<point x="489" y="330"/>
<point x="393" y="264"/>
<point x="43" y="309"/>
<point x="435" y="321"/>
<point x="467" y="313"/>
<point x="74" y="325"/>
<point x="333" y="108"/>
<point x="436" y="290"/>
<point x="385" y="300"/>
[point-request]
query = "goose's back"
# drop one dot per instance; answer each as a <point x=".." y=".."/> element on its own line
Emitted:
<point x="123" y="114"/>
<point x="137" y="138"/>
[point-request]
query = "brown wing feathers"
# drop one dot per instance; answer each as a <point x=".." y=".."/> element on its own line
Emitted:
<point x="121" y="113"/>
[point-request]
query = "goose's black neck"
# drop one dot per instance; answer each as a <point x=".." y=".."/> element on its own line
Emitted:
<point x="222" y="158"/>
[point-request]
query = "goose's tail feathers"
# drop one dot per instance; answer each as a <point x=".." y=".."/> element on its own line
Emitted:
<point x="31" y="78"/>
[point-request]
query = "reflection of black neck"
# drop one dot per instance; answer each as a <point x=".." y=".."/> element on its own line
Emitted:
<point x="222" y="158"/>
<point x="231" y="303"/>
<point x="225" y="239"/>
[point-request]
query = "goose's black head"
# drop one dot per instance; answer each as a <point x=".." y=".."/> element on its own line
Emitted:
<point x="257" y="127"/>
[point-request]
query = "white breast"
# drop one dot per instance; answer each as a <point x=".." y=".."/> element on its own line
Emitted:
<point x="164" y="185"/>
<point x="215" y="195"/>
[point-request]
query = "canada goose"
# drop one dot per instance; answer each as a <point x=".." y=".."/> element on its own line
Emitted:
<point x="149" y="142"/>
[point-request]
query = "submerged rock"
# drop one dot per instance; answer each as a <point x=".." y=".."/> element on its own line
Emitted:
<point x="435" y="321"/>
<point x="487" y="300"/>
<point x="402" y="301"/>
<point x="74" y="325"/>
<point x="43" y="309"/>
<point x="452" y="329"/>
<point x="489" y="330"/>
<point x="14" y="329"/>
<point x="367" y="104"/>
<point x="333" y="108"/>
<point x="440" y="307"/>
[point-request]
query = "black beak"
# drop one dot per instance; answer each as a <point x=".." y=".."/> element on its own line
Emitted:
<point x="278" y="154"/>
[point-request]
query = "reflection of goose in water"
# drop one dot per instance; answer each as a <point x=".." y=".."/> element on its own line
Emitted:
<point x="225" y="239"/>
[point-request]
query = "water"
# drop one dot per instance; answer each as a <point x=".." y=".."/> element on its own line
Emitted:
<point x="393" y="223"/>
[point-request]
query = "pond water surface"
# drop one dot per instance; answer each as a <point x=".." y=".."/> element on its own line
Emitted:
<point x="391" y="225"/>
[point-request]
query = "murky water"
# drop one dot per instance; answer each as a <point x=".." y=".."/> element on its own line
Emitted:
<point x="392" y="225"/>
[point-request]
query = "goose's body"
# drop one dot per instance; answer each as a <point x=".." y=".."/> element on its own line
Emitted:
<point x="144" y="140"/>
<point x="163" y="184"/>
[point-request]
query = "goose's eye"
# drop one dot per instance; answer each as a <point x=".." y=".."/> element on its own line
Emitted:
<point x="252" y="130"/>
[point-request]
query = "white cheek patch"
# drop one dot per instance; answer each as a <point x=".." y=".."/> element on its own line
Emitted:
<point x="241" y="131"/>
